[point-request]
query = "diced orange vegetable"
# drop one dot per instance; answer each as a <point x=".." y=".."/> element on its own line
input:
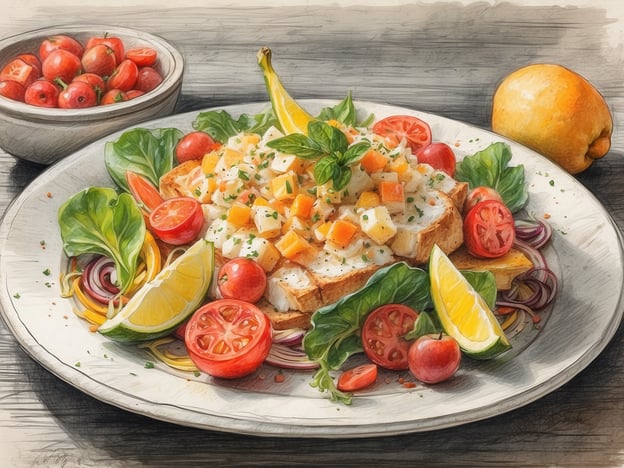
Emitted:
<point x="291" y="245"/>
<point x="209" y="162"/>
<point x="232" y="157"/>
<point x="368" y="200"/>
<point x="284" y="186"/>
<point x="373" y="161"/>
<point x="302" y="205"/>
<point x="239" y="214"/>
<point x="391" y="192"/>
<point x="260" y="201"/>
<point x="398" y="165"/>
<point x="341" y="233"/>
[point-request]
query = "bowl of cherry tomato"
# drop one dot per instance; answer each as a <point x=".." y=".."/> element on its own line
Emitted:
<point x="64" y="87"/>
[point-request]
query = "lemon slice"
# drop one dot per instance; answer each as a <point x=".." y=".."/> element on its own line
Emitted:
<point x="462" y="312"/>
<point x="165" y="302"/>
<point x="291" y="116"/>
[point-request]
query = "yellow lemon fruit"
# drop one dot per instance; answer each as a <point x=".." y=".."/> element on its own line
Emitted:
<point x="555" y="112"/>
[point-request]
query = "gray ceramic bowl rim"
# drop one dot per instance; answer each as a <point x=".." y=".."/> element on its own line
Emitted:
<point x="33" y="113"/>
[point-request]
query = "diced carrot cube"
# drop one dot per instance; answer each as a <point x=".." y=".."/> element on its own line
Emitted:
<point x="302" y="205"/>
<point x="373" y="161"/>
<point x="239" y="214"/>
<point x="368" y="200"/>
<point x="341" y="233"/>
<point x="292" y="245"/>
<point x="391" y="192"/>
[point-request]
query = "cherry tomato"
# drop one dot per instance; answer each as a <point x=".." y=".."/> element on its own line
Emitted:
<point x="398" y="127"/>
<point x="20" y="71"/>
<point x="124" y="77"/>
<point x="148" y="79"/>
<point x="382" y="335"/>
<point x="61" y="64"/>
<point x="434" y="358"/>
<point x="134" y="93"/>
<point x="177" y="221"/>
<point x="59" y="41"/>
<point x="95" y="81"/>
<point x="42" y="93"/>
<point x="99" y="59"/>
<point x="228" y="338"/>
<point x="142" y="56"/>
<point x="147" y="196"/>
<point x="113" y="96"/>
<point x="357" y="378"/>
<point x="12" y="90"/>
<point x="242" y="278"/>
<point x="33" y="61"/>
<point x="479" y="194"/>
<point x="438" y="155"/>
<point x="489" y="229"/>
<point x="77" y="95"/>
<point x="113" y="42"/>
<point x="195" y="145"/>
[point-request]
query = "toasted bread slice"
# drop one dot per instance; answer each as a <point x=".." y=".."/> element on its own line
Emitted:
<point x="504" y="268"/>
<point x="186" y="179"/>
<point x="285" y="320"/>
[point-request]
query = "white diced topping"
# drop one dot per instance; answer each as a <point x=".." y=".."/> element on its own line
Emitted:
<point x="377" y="224"/>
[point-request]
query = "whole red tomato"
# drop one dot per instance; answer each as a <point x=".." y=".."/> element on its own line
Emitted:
<point x="77" y="95"/>
<point x="228" y="338"/>
<point x="60" y="41"/>
<point x="242" y="278"/>
<point x="479" y="194"/>
<point x="383" y="332"/>
<point x="12" y="90"/>
<point x="434" y="358"/>
<point x="124" y="77"/>
<point x="95" y="81"/>
<point x="148" y="79"/>
<point x="61" y="65"/>
<point x="42" y="93"/>
<point x="99" y="59"/>
<point x="438" y="155"/>
<point x="115" y="43"/>
<point x="195" y="145"/>
<point x="113" y="96"/>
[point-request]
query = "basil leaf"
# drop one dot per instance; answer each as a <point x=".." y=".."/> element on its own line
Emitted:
<point x="424" y="325"/>
<point x="297" y="144"/>
<point x="342" y="112"/>
<point x="355" y="152"/>
<point x="324" y="169"/>
<point x="98" y="221"/>
<point x="220" y="125"/>
<point x="490" y="168"/>
<point x="149" y="153"/>
<point x="328" y="138"/>
<point x="335" y="333"/>
<point x="484" y="283"/>
<point x="341" y="177"/>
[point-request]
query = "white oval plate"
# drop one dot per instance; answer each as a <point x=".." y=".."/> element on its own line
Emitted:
<point x="586" y="253"/>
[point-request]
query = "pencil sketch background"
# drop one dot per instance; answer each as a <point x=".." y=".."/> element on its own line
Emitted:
<point x="440" y="57"/>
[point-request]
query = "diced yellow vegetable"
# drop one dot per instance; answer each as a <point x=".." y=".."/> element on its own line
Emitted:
<point x="291" y="245"/>
<point x="321" y="230"/>
<point x="399" y="165"/>
<point x="288" y="162"/>
<point x="260" y="201"/>
<point x="232" y="157"/>
<point x="373" y="161"/>
<point x="209" y="162"/>
<point x="368" y="200"/>
<point x="285" y="186"/>
<point x="341" y="233"/>
<point x="297" y="224"/>
<point x="327" y="193"/>
<point x="239" y="214"/>
<point x="377" y="224"/>
<point x="262" y="251"/>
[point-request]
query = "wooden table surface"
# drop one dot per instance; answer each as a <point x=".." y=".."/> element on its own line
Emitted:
<point x="445" y="58"/>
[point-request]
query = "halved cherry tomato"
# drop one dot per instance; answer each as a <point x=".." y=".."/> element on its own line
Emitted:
<point x="194" y="145"/>
<point x="177" y="221"/>
<point x="33" y="61"/>
<point x="479" y="194"/>
<point x="242" y="278"/>
<point x="438" y="155"/>
<point x="398" y="127"/>
<point x="20" y="71"/>
<point x="134" y="93"/>
<point x="124" y="77"/>
<point x="228" y="338"/>
<point x="489" y="229"/>
<point x="357" y="378"/>
<point x="382" y="335"/>
<point x="142" y="56"/>
<point x="144" y="192"/>
<point x="12" y="90"/>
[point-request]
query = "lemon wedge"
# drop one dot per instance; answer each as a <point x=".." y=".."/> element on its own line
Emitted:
<point x="166" y="301"/>
<point x="291" y="116"/>
<point x="462" y="312"/>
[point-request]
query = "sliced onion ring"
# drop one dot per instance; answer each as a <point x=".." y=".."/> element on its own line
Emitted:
<point x="289" y="357"/>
